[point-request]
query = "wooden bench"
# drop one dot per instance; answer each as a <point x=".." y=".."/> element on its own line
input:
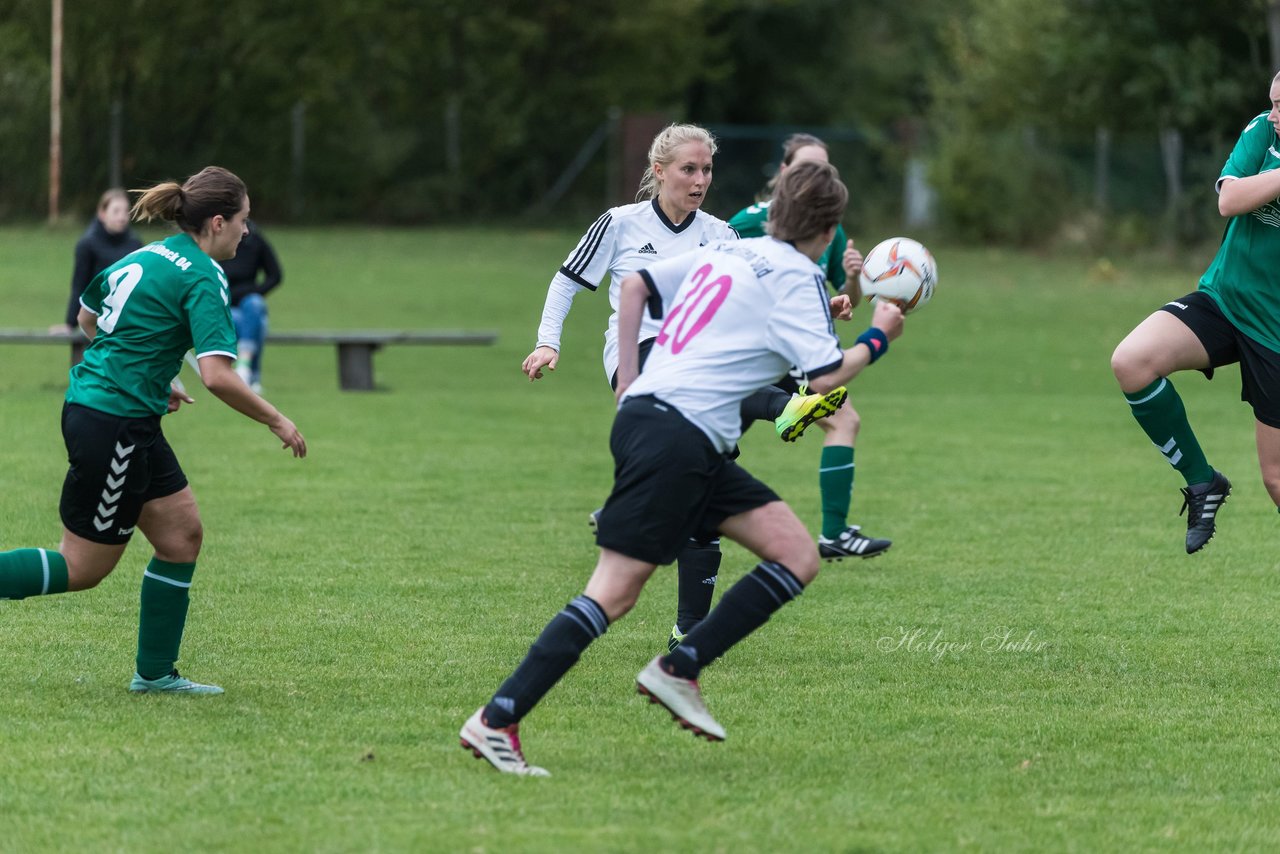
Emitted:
<point x="34" y="336"/>
<point x="355" y="347"/>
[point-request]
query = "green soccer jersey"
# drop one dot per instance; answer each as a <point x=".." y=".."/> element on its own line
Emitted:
<point x="153" y="306"/>
<point x="1244" y="277"/>
<point x="749" y="222"/>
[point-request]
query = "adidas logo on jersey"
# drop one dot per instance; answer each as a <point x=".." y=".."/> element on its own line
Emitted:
<point x="648" y="249"/>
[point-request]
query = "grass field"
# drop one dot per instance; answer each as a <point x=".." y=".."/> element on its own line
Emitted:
<point x="1035" y="665"/>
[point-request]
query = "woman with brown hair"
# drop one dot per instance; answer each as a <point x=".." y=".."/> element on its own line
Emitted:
<point x="142" y="314"/>
<point x="733" y="316"/>
<point x="840" y="263"/>
<point x="1232" y="317"/>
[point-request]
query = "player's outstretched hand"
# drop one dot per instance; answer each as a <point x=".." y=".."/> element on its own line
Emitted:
<point x="842" y="307"/>
<point x="851" y="261"/>
<point x="286" y="432"/>
<point x="541" y="357"/>
<point x="888" y="319"/>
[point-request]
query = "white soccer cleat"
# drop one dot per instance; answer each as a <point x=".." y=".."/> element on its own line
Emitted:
<point x="681" y="697"/>
<point x="500" y="746"/>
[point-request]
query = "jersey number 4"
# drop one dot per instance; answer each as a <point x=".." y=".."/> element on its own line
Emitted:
<point x="695" y="311"/>
<point x="121" y="284"/>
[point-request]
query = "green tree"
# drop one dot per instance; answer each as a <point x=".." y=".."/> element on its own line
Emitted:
<point x="1028" y="78"/>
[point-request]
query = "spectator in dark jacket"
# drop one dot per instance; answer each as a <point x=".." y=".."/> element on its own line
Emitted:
<point x="106" y="241"/>
<point x="248" y="306"/>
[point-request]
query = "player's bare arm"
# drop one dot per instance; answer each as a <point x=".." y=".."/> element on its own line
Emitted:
<point x="219" y="376"/>
<point x="631" y="301"/>
<point x="88" y="322"/>
<point x="1242" y="195"/>
<point x="887" y="319"/>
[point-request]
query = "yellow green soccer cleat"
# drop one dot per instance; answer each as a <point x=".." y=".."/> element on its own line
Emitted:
<point x="803" y="410"/>
<point x="676" y="638"/>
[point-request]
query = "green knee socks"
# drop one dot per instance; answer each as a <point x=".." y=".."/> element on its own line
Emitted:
<point x="32" y="572"/>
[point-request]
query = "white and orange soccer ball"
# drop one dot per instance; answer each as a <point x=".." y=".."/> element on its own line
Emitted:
<point x="899" y="269"/>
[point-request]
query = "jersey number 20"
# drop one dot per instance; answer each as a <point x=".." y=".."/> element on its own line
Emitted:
<point x="689" y="317"/>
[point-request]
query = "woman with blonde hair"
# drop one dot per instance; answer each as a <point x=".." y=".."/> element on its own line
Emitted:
<point x="666" y="221"/>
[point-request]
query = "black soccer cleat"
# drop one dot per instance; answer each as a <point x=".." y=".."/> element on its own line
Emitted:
<point x="851" y="542"/>
<point x="1201" y="507"/>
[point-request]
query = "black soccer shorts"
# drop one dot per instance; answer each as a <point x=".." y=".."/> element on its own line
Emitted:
<point x="670" y="484"/>
<point x="116" y="466"/>
<point x="1226" y="345"/>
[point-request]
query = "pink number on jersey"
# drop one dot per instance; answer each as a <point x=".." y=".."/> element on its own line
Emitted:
<point x="683" y="333"/>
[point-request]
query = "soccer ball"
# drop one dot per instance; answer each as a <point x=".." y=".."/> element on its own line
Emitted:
<point x="901" y="270"/>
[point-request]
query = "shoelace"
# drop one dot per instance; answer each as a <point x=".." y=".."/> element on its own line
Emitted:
<point x="1195" y="503"/>
<point x="514" y="735"/>
<point x="852" y="534"/>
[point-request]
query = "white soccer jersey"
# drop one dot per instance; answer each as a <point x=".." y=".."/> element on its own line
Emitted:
<point x="621" y="241"/>
<point x="735" y="317"/>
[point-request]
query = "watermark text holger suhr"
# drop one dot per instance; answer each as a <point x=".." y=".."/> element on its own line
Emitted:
<point x="933" y="642"/>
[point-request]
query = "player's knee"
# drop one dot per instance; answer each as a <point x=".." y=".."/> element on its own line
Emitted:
<point x="192" y="539"/>
<point x="616" y="604"/>
<point x="804" y="564"/>
<point x="182" y="544"/>
<point x="1133" y="366"/>
<point x="844" y="423"/>
<point x="800" y="555"/>
<point x="86" y="575"/>
<point x="87" y="563"/>
<point x="1271" y="480"/>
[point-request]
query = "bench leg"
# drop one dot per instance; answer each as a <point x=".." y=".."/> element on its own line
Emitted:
<point x="77" y="351"/>
<point x="355" y="366"/>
